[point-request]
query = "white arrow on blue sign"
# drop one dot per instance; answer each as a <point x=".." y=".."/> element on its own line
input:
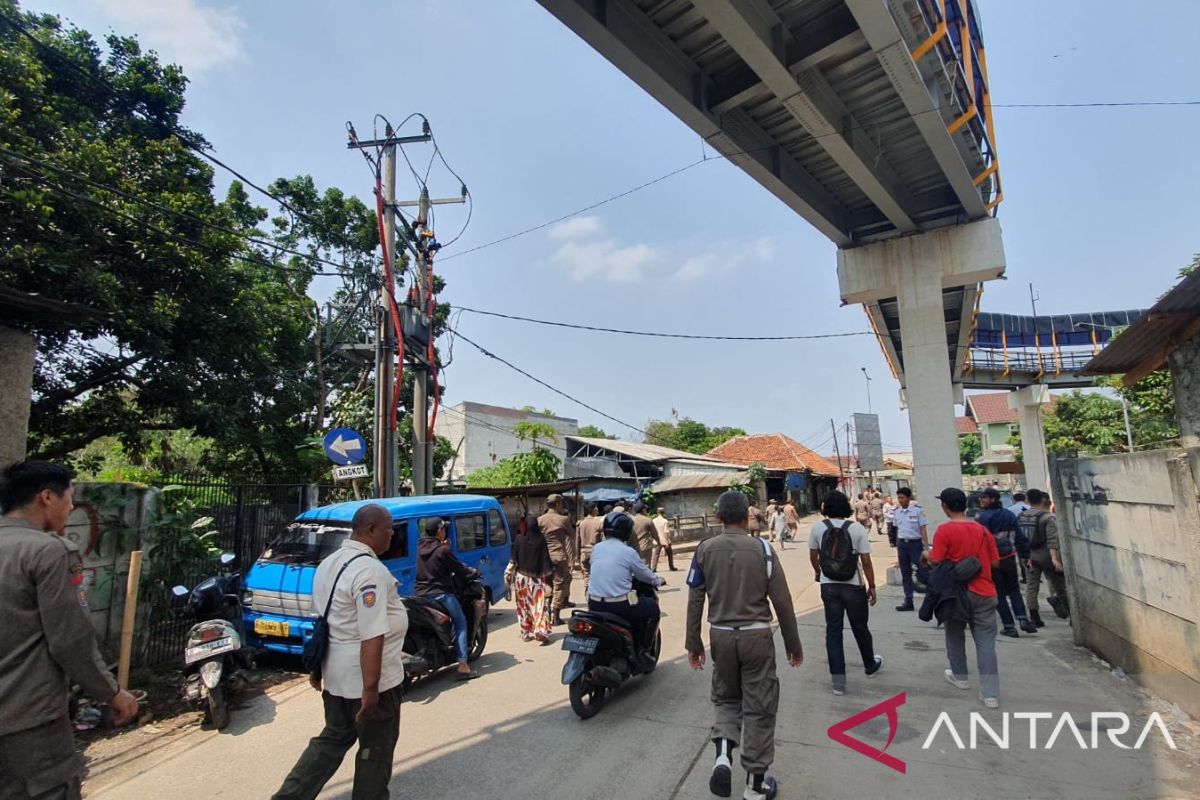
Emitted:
<point x="344" y="446"/>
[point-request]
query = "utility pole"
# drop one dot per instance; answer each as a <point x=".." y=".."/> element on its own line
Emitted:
<point x="849" y="449"/>
<point x="385" y="343"/>
<point x="837" y="452"/>
<point x="422" y="476"/>
<point x="868" y="377"/>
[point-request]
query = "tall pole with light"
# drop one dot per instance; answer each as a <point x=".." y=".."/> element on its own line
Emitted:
<point x="868" y="377"/>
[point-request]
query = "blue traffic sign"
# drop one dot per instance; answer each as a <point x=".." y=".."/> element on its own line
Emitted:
<point x="345" y="446"/>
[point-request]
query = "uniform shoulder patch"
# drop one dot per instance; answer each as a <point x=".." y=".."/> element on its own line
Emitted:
<point x="695" y="576"/>
<point x="369" y="597"/>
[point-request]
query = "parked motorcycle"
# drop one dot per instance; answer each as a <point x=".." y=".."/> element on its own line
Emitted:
<point x="604" y="654"/>
<point x="213" y="656"/>
<point x="429" y="643"/>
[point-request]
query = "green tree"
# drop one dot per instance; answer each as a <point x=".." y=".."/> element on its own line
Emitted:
<point x="1087" y="423"/>
<point x="970" y="448"/>
<point x="539" y="465"/>
<point x="688" y="435"/>
<point x="594" y="432"/>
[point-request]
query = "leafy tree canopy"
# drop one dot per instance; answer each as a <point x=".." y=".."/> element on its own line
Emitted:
<point x="688" y="434"/>
<point x="594" y="432"/>
<point x="970" y="448"/>
<point x="539" y="465"/>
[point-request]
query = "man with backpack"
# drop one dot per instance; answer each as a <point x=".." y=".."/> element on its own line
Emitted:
<point x="836" y="548"/>
<point x="1010" y="543"/>
<point x="972" y="550"/>
<point x="1040" y="526"/>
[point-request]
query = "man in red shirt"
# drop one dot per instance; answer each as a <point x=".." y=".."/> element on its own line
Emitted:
<point x="955" y="541"/>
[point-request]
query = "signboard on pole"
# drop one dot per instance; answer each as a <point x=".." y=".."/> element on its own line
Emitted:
<point x="870" y="446"/>
<point x="344" y="446"/>
<point x="350" y="472"/>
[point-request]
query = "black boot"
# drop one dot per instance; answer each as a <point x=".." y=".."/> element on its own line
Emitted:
<point x="1009" y="630"/>
<point x="720" y="782"/>
<point x="1028" y="627"/>
<point x="558" y="620"/>
<point x="1035" y="617"/>
<point x="907" y="605"/>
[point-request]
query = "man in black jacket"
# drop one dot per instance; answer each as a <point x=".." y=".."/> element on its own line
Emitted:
<point x="439" y="573"/>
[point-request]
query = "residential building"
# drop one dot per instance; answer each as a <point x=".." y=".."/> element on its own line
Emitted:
<point x="989" y="416"/>
<point x="793" y="471"/>
<point x="482" y="434"/>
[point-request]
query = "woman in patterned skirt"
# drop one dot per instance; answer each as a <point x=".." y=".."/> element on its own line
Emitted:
<point x="532" y="571"/>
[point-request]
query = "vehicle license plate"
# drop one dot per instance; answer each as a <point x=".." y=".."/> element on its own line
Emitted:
<point x="269" y="627"/>
<point x="207" y="649"/>
<point x="581" y="644"/>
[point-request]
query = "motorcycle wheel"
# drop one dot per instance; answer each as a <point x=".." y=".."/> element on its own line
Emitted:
<point x="586" y="698"/>
<point x="218" y="707"/>
<point x="657" y="649"/>
<point x="479" y="641"/>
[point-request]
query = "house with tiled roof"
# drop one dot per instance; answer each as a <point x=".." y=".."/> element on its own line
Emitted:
<point x="989" y="416"/>
<point x="793" y="471"/>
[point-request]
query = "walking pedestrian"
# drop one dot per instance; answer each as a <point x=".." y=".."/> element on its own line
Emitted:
<point x="793" y="522"/>
<point x="837" y="548"/>
<point x="758" y="522"/>
<point x="560" y="536"/>
<point x="1040" y="526"/>
<point x="533" y="571"/>
<point x="587" y="533"/>
<point x="958" y="541"/>
<point x="662" y="526"/>
<point x="912" y="540"/>
<point x="877" y="513"/>
<point x="889" y="518"/>
<point x="779" y="526"/>
<point x="47" y="641"/>
<point x="742" y="579"/>
<point x="862" y="510"/>
<point x="1019" y="505"/>
<point x="1010" y="543"/>
<point x="646" y="534"/>
<point x="363" y="668"/>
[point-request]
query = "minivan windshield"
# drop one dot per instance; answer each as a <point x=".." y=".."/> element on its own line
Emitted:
<point x="307" y="542"/>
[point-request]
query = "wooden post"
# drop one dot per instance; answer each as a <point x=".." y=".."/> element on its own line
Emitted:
<point x="131" y="599"/>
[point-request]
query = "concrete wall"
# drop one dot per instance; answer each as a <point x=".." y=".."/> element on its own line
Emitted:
<point x="1132" y="555"/>
<point x="483" y="437"/>
<point x="108" y="523"/>
<point x="690" y="503"/>
<point x="17" y="351"/>
<point x="1184" y="363"/>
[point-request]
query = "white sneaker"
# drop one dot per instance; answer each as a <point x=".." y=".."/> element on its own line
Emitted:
<point x="770" y="788"/>
<point x="955" y="682"/>
<point x="838" y="691"/>
<point x="990" y="702"/>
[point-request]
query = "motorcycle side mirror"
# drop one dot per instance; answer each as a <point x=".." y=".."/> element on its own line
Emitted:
<point x="227" y="558"/>
<point x="179" y="591"/>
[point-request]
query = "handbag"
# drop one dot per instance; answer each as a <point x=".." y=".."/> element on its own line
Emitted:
<point x="312" y="656"/>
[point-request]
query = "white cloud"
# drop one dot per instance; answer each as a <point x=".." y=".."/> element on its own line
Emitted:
<point x="603" y="258"/>
<point x="724" y="256"/>
<point x="196" y="35"/>
<point x="577" y="228"/>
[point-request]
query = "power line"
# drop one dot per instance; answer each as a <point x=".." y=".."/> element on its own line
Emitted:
<point x="541" y="382"/>
<point x="661" y="335"/>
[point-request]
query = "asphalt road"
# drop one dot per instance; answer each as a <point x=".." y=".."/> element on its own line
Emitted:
<point x="512" y="734"/>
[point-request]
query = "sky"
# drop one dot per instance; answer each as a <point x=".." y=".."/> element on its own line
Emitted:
<point x="1100" y="206"/>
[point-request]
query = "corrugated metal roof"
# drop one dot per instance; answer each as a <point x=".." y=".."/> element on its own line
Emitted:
<point x="683" y="483"/>
<point x="1145" y="345"/>
<point x="645" y="452"/>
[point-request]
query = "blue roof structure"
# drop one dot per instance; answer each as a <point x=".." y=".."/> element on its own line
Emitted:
<point x="424" y="505"/>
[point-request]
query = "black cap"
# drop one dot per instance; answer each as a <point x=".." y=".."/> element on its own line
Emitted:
<point x="991" y="492"/>
<point x="954" y="498"/>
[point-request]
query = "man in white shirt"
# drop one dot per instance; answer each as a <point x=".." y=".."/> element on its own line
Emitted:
<point x="838" y="543"/>
<point x="663" y="526"/>
<point x="615" y="566"/>
<point x="363" y="667"/>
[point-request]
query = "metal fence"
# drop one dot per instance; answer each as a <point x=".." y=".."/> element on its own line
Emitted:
<point x="246" y="516"/>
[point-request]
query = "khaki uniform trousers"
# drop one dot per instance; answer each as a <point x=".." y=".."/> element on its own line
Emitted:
<point x="745" y="692"/>
<point x="561" y="586"/>
<point x="1040" y="566"/>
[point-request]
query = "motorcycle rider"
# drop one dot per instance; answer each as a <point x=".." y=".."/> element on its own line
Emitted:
<point x="439" y="572"/>
<point x="616" y="564"/>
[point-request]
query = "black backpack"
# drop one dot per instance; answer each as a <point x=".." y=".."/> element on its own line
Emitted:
<point x="1031" y="525"/>
<point x="838" y="560"/>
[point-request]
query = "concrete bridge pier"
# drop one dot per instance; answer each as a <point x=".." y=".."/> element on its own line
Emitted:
<point x="1028" y="402"/>
<point x="913" y="273"/>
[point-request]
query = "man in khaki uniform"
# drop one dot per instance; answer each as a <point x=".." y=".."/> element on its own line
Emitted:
<point x="792" y="519"/>
<point x="46" y="640"/>
<point x="877" y="512"/>
<point x="589" y="532"/>
<point x="645" y="533"/>
<point x="560" y="541"/>
<point x="739" y="574"/>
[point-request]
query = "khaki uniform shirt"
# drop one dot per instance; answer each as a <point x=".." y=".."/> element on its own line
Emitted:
<point x="862" y="510"/>
<point x="790" y="515"/>
<point x="560" y="535"/>
<point x="876" y="506"/>
<point x="589" y="533"/>
<point x="730" y="569"/>
<point x="663" y="526"/>
<point x="646" y="535"/>
<point x="46" y="637"/>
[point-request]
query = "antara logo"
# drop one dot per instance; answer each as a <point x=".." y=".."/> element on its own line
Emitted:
<point x="1115" y="725"/>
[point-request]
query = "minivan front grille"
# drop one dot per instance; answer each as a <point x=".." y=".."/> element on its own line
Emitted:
<point x="288" y="604"/>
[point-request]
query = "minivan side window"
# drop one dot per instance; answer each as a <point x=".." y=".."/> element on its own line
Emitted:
<point x="398" y="548"/>
<point x="497" y="535"/>
<point x="470" y="533"/>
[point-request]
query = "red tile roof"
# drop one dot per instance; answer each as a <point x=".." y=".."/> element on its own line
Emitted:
<point x="774" y="451"/>
<point x="965" y="425"/>
<point x="989" y="408"/>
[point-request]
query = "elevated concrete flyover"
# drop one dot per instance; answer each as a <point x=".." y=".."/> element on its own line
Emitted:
<point x="872" y="120"/>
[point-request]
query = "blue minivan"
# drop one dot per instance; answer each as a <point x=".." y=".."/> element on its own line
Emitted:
<point x="277" y="591"/>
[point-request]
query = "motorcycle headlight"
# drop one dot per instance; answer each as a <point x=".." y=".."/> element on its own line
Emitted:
<point x="210" y="673"/>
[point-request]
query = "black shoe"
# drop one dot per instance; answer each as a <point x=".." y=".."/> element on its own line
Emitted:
<point x="1036" y="617"/>
<point x="1028" y="626"/>
<point x="558" y="620"/>
<point x="876" y="665"/>
<point x="1060" y="607"/>
<point x="920" y="588"/>
<point x="906" y="606"/>
<point x="1011" y="631"/>
<point x="720" y="782"/>
<point x="568" y="604"/>
<point x="768" y="789"/>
